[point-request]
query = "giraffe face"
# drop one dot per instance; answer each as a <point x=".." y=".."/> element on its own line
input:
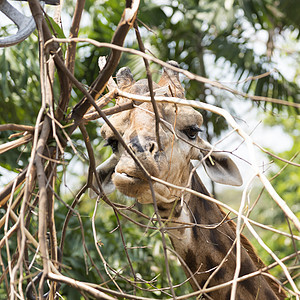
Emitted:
<point x="179" y="140"/>
<point x="178" y="134"/>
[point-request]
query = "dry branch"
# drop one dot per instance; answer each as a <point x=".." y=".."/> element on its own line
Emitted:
<point x="16" y="127"/>
<point x="14" y="144"/>
<point x="238" y="129"/>
<point x="150" y="84"/>
<point x="188" y="74"/>
<point x="44" y="160"/>
<point x="99" y="84"/>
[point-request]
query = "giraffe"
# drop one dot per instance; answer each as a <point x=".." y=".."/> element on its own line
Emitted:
<point x="203" y="246"/>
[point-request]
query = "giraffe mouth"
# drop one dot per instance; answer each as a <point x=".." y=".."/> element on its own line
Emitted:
<point x="137" y="187"/>
<point x="129" y="184"/>
<point x="127" y="177"/>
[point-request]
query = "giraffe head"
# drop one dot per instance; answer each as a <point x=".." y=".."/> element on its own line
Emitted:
<point x="180" y="143"/>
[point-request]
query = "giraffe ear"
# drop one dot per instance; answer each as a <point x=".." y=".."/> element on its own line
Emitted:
<point x="105" y="171"/>
<point x="221" y="169"/>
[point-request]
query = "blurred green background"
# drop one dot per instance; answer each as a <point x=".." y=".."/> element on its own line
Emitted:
<point x="228" y="41"/>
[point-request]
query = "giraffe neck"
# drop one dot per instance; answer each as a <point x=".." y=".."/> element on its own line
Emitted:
<point x="203" y="249"/>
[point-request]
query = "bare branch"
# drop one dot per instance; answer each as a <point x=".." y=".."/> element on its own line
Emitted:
<point x="99" y="84"/>
<point x="235" y="126"/>
<point x="150" y="84"/>
<point x="14" y="144"/>
<point x="32" y="195"/>
<point x="16" y="127"/>
<point x="184" y="72"/>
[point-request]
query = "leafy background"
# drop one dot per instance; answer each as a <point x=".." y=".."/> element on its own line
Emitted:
<point x="223" y="40"/>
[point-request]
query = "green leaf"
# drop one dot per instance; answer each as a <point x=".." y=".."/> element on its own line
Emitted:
<point x="57" y="30"/>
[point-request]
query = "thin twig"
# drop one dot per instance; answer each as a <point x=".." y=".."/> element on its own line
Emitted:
<point x="278" y="157"/>
<point x="188" y="74"/>
<point x="150" y="84"/>
<point x="83" y="286"/>
<point x="100" y="82"/>
<point x="82" y="234"/>
<point x="42" y="195"/>
<point x="14" y="144"/>
<point x="242" y="133"/>
<point x="161" y="229"/>
<point x="105" y="264"/>
<point x="125" y="248"/>
<point x="16" y="127"/>
<point x="238" y="239"/>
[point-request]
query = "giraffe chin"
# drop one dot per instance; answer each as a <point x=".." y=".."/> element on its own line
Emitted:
<point x="161" y="193"/>
<point x="140" y="189"/>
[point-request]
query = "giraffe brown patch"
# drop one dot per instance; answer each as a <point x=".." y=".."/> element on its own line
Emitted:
<point x="207" y="206"/>
<point x="208" y="261"/>
<point x="195" y="219"/>
<point x="202" y="283"/>
<point x="269" y="294"/>
<point x="213" y="234"/>
<point x="219" y="276"/>
<point x="248" y="284"/>
<point x="195" y="230"/>
<point x="198" y="186"/>
<point x="196" y="216"/>
<point x="246" y="267"/>
<point x="191" y="261"/>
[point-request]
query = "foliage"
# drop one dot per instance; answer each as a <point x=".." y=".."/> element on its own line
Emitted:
<point x="194" y="34"/>
<point x="19" y="77"/>
<point x="144" y="248"/>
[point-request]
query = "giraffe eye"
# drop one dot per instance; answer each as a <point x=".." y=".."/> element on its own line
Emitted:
<point x="191" y="132"/>
<point x="113" y="143"/>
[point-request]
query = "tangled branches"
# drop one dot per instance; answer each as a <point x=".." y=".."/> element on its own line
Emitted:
<point x="37" y="220"/>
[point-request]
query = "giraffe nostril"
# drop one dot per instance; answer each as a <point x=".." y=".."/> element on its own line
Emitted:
<point x="152" y="148"/>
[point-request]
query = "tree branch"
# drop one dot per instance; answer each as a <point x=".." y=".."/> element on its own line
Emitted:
<point x="99" y="84"/>
<point x="188" y="74"/>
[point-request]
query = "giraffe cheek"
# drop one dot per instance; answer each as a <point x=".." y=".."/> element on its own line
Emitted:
<point x="195" y="153"/>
